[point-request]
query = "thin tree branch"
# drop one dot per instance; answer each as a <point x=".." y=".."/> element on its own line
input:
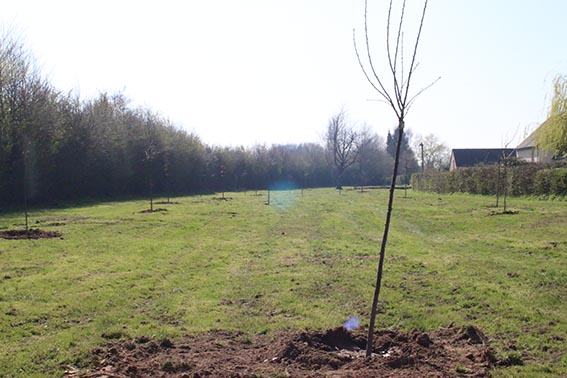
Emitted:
<point x="387" y="95"/>
<point x="382" y="91"/>
<point x="412" y="100"/>
<point x="410" y="73"/>
<point x="398" y="90"/>
<point x="402" y="60"/>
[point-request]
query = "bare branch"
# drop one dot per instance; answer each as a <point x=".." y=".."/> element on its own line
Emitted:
<point x="382" y="91"/>
<point x="411" y="101"/>
<point x="397" y="89"/>
<point x="387" y="95"/>
<point x="403" y="60"/>
<point x="411" y="68"/>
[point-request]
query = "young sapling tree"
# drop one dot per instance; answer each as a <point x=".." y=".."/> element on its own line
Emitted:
<point x="394" y="89"/>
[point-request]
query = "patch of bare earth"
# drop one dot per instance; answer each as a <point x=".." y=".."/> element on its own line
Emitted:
<point x="448" y="352"/>
<point x="222" y="198"/>
<point x="152" y="211"/>
<point x="33" y="233"/>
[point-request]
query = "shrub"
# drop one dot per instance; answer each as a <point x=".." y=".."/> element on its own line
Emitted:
<point x="558" y="182"/>
<point x="522" y="179"/>
<point x="542" y="182"/>
<point x="519" y="179"/>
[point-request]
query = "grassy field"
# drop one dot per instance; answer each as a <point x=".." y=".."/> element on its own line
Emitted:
<point x="305" y="262"/>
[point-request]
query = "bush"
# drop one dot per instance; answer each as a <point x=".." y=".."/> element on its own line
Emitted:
<point x="522" y="179"/>
<point x="542" y="182"/>
<point x="558" y="182"/>
<point x="519" y="179"/>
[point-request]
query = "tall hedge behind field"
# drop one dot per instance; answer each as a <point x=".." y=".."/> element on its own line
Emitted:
<point x="56" y="146"/>
<point x="519" y="180"/>
<point x="551" y="181"/>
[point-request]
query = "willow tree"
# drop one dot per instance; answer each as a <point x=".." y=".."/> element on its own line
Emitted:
<point x="552" y="135"/>
<point x="393" y="86"/>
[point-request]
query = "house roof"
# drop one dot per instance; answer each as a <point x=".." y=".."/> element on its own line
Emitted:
<point x="469" y="157"/>
<point x="529" y="142"/>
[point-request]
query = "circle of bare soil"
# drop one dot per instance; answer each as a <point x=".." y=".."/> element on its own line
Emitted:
<point x="33" y="233"/>
<point x="507" y="212"/>
<point x="448" y="352"/>
<point x="168" y="203"/>
<point x="152" y="211"/>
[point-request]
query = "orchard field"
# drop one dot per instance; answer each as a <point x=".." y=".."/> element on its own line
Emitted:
<point x="305" y="262"/>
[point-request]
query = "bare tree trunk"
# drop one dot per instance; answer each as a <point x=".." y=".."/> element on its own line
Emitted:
<point x="406" y="178"/>
<point x="498" y="185"/>
<point x="151" y="195"/>
<point x="505" y="184"/>
<point x="26" y="202"/>
<point x="167" y="188"/>
<point x="25" y="188"/>
<point x="399" y="100"/>
<point x="370" y="340"/>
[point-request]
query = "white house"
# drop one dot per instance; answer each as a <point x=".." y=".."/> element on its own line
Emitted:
<point x="530" y="152"/>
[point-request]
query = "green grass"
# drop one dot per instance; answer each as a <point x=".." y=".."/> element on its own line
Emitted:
<point x="302" y="263"/>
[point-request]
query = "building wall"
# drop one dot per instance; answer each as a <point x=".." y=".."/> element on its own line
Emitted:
<point x="534" y="155"/>
<point x="527" y="154"/>
<point x="452" y="163"/>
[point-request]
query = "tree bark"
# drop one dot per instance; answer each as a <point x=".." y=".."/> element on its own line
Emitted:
<point x="370" y="338"/>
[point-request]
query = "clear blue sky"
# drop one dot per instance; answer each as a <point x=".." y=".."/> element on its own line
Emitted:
<point x="274" y="71"/>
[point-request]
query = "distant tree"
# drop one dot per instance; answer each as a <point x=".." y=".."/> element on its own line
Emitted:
<point x="373" y="162"/>
<point x="342" y="142"/>
<point x="400" y="101"/>
<point x="552" y="135"/>
<point x="391" y="143"/>
<point x="366" y="142"/>
<point x="436" y="155"/>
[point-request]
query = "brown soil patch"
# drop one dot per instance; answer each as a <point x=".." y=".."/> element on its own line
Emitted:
<point x="449" y="352"/>
<point x="331" y="260"/>
<point x="167" y="203"/>
<point x="507" y="212"/>
<point x="222" y="198"/>
<point x="33" y="233"/>
<point x="152" y="211"/>
<point x="62" y="219"/>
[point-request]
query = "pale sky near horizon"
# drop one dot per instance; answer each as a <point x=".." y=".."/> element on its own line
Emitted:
<point x="241" y="72"/>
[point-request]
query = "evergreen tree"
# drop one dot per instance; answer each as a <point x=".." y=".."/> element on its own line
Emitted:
<point x="407" y="155"/>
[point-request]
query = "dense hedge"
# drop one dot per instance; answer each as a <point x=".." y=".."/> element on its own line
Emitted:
<point x="56" y="146"/>
<point x="517" y="180"/>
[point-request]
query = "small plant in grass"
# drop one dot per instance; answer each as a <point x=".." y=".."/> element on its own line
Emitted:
<point x="512" y="359"/>
<point x="460" y="369"/>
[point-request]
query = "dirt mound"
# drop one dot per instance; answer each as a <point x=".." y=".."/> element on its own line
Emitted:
<point x="448" y="352"/>
<point x="33" y="233"/>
